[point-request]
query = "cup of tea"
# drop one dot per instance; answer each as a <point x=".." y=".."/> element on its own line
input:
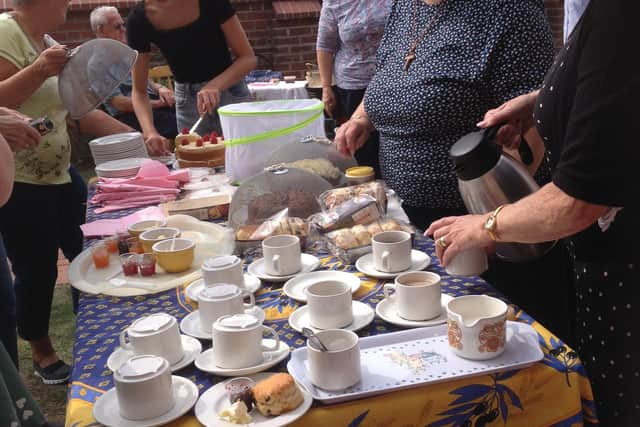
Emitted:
<point x="416" y="295"/>
<point x="391" y="251"/>
<point x="156" y="334"/>
<point x="330" y="304"/>
<point x="338" y="368"/>
<point x="282" y="255"/>
<point x="221" y="300"/>
<point x="144" y="387"/>
<point x="237" y="341"/>
<point x="223" y="269"/>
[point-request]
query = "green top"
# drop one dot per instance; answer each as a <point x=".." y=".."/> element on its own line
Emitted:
<point x="48" y="163"/>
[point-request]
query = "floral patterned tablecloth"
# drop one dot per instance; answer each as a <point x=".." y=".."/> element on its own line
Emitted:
<point x="553" y="392"/>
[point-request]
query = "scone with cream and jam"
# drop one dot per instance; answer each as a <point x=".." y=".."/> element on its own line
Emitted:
<point x="277" y="394"/>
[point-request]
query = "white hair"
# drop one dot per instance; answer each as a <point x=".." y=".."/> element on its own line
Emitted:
<point x="99" y="15"/>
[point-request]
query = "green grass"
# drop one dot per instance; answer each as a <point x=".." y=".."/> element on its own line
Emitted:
<point x="52" y="398"/>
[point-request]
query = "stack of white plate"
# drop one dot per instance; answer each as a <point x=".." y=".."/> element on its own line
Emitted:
<point x="123" y="168"/>
<point x="118" y="146"/>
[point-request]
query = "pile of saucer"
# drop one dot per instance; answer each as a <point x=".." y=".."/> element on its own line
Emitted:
<point x="124" y="168"/>
<point x="118" y="146"/>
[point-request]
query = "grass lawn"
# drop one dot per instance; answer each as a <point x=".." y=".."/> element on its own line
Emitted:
<point x="52" y="398"/>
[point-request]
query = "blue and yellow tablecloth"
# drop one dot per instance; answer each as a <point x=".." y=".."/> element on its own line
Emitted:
<point x="553" y="392"/>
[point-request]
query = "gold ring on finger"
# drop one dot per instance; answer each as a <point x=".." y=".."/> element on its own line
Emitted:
<point x="442" y="242"/>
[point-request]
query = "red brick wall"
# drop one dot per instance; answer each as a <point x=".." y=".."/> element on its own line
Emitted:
<point x="282" y="33"/>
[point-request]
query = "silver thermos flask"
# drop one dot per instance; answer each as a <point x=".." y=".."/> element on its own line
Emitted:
<point x="488" y="178"/>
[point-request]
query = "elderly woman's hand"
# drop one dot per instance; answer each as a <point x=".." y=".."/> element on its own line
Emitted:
<point x="15" y="128"/>
<point x="516" y="115"/>
<point x="458" y="233"/>
<point x="51" y="61"/>
<point x="352" y="135"/>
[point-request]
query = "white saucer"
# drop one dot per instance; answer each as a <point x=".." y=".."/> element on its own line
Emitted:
<point x="362" y="316"/>
<point x="191" y="347"/>
<point x="386" y="310"/>
<point x="309" y="263"/>
<point x="190" y="325"/>
<point x="215" y="400"/>
<point x="107" y="411"/>
<point x="205" y="362"/>
<point x="419" y="261"/>
<point x="251" y="284"/>
<point x="295" y="288"/>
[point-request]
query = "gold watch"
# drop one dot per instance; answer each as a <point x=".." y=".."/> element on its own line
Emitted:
<point x="491" y="225"/>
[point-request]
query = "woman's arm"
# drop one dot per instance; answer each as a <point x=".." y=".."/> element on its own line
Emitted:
<point x="325" y="66"/>
<point x="98" y="123"/>
<point x="7" y="171"/>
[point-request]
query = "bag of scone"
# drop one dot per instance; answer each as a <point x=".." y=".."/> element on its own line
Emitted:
<point x="251" y="236"/>
<point x="331" y="199"/>
<point x="362" y="209"/>
<point x="349" y="244"/>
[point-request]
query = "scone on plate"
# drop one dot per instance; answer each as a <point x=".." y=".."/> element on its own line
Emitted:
<point x="277" y="394"/>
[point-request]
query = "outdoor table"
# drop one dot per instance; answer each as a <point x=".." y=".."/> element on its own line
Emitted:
<point x="552" y="392"/>
<point x="281" y="90"/>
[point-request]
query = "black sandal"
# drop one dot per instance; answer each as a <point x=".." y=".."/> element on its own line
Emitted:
<point x="56" y="373"/>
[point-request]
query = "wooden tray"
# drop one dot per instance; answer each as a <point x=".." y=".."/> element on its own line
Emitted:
<point x="211" y="239"/>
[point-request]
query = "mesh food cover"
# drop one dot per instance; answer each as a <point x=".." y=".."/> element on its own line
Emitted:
<point x="275" y="189"/>
<point x="316" y="155"/>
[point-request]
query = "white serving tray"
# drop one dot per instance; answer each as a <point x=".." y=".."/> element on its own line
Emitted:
<point x="418" y="357"/>
<point x="211" y="239"/>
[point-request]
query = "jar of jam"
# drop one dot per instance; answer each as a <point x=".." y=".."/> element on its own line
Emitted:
<point x="240" y="389"/>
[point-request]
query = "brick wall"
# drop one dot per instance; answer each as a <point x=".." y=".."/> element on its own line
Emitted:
<point x="282" y="33"/>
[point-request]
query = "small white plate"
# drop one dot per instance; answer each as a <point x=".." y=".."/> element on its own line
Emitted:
<point x="251" y="284"/>
<point x="205" y="361"/>
<point x="309" y="263"/>
<point x="362" y="316"/>
<point x="215" y="400"/>
<point x="419" y="261"/>
<point x="190" y="325"/>
<point x="107" y="411"/>
<point x="190" y="346"/>
<point x="295" y="288"/>
<point x="386" y="310"/>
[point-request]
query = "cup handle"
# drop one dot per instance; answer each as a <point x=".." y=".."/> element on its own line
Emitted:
<point x="276" y="262"/>
<point x="385" y="260"/>
<point x="252" y="299"/>
<point x="275" y="336"/>
<point x="123" y="341"/>
<point x="389" y="289"/>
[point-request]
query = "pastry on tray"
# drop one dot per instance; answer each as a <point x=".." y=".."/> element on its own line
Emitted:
<point x="277" y="394"/>
<point x="360" y="235"/>
<point x="296" y="226"/>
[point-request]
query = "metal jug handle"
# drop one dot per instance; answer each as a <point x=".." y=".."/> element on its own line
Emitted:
<point x="526" y="155"/>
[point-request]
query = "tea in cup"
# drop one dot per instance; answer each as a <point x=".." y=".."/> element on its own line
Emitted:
<point x="221" y="300"/>
<point x="338" y="368"/>
<point x="156" y="334"/>
<point x="237" y="341"/>
<point x="477" y="326"/>
<point x="144" y="388"/>
<point x="223" y="269"/>
<point x="282" y="255"/>
<point x="417" y="295"/>
<point x="330" y="304"/>
<point x="391" y="251"/>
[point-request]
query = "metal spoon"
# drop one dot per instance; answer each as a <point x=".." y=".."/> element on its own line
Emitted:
<point x="314" y="339"/>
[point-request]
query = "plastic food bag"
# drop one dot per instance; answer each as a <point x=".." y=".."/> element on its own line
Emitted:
<point x="359" y="210"/>
<point x="331" y="199"/>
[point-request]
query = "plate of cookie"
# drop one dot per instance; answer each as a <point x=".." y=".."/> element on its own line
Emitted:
<point x="267" y="399"/>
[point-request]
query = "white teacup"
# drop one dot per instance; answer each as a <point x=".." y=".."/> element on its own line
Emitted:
<point x="221" y="300"/>
<point x="223" y="269"/>
<point x="282" y="255"/>
<point x="338" y="368"/>
<point x="237" y="341"/>
<point x="330" y="304"/>
<point x="391" y="251"/>
<point x="472" y="262"/>
<point x="156" y="334"/>
<point x="477" y="326"/>
<point x="144" y="387"/>
<point x="416" y="294"/>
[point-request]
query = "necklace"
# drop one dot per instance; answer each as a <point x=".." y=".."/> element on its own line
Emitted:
<point x="415" y="38"/>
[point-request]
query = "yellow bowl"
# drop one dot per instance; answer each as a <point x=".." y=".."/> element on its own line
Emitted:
<point x="140" y="227"/>
<point x="175" y="260"/>
<point x="155" y="235"/>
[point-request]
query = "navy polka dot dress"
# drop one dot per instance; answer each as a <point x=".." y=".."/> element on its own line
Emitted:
<point x="478" y="54"/>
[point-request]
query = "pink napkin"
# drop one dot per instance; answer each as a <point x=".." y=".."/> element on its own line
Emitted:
<point x="108" y="227"/>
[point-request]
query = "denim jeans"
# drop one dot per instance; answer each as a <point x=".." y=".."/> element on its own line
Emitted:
<point x="187" y="105"/>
